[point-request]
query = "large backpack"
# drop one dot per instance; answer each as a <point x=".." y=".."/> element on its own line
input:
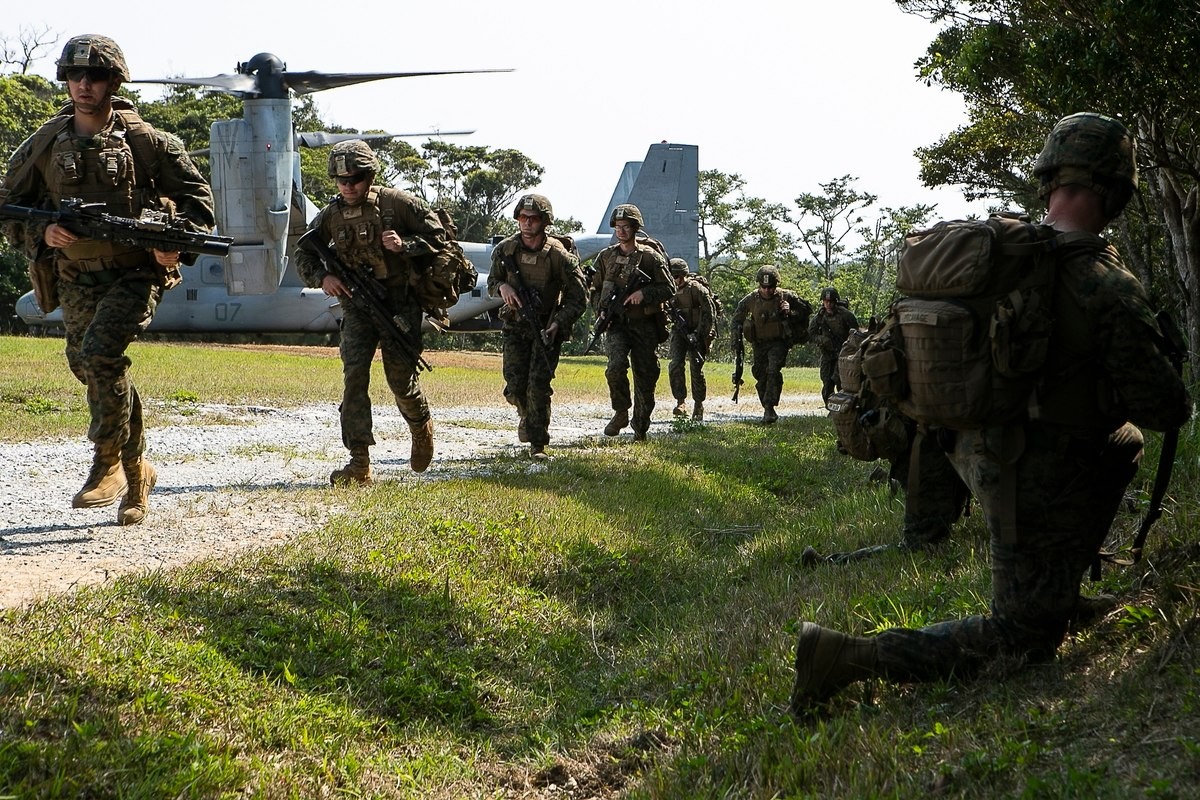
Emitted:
<point x="868" y="427"/>
<point x="449" y="274"/>
<point x="714" y="302"/>
<point x="965" y="345"/>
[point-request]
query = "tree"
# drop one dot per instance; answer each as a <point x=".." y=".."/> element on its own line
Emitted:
<point x="836" y="218"/>
<point x="30" y="46"/>
<point x="474" y="183"/>
<point x="870" y="278"/>
<point x="748" y="234"/>
<point x="1022" y="64"/>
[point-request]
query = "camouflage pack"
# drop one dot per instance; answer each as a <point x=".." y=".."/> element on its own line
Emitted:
<point x="868" y="427"/>
<point x="965" y="345"/>
<point x="449" y="274"/>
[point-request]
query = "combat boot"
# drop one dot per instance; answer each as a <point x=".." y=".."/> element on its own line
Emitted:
<point x="522" y="425"/>
<point x="769" y="415"/>
<point x="136" y="503"/>
<point x="358" y="470"/>
<point x="619" y="420"/>
<point x="698" y="411"/>
<point x="538" y="452"/>
<point x="422" y="445"/>
<point x="680" y="409"/>
<point x="827" y="661"/>
<point x="105" y="483"/>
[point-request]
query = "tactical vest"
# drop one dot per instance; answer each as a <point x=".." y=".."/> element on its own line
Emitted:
<point x="619" y="268"/>
<point x="116" y="167"/>
<point x="357" y="232"/>
<point x="538" y="272"/>
<point x="689" y="304"/>
<point x="764" y="322"/>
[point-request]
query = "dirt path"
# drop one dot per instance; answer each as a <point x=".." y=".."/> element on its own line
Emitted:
<point x="225" y="487"/>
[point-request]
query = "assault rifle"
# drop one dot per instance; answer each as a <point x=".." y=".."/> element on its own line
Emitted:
<point x="613" y="306"/>
<point x="530" y="309"/>
<point x="366" y="294"/>
<point x="739" y="358"/>
<point x="156" y="230"/>
<point x="693" y="341"/>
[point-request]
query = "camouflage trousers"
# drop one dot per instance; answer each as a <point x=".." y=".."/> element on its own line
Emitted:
<point x="100" y="323"/>
<point x="528" y="370"/>
<point x="635" y="343"/>
<point x="1069" y="486"/>
<point x="830" y="381"/>
<point x="938" y="497"/>
<point x="360" y="339"/>
<point x="767" y="368"/>
<point x="681" y="360"/>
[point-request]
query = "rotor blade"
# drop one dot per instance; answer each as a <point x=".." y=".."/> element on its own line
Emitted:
<point x="324" y="138"/>
<point x="308" y="82"/>
<point x="233" y="84"/>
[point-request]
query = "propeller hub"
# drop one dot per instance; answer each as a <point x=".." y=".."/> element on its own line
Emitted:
<point x="269" y="70"/>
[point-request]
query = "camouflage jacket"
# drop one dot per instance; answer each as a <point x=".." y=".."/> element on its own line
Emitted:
<point x="1105" y="366"/>
<point x="130" y="166"/>
<point x="553" y="272"/>
<point x="614" y="268"/>
<point x="829" y="330"/>
<point x="356" y="234"/>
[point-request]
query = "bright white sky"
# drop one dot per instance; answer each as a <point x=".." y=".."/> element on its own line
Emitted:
<point x="786" y="93"/>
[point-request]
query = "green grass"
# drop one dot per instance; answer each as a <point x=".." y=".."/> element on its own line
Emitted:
<point x="620" y="621"/>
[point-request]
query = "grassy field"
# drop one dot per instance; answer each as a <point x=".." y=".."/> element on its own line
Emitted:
<point x="620" y="623"/>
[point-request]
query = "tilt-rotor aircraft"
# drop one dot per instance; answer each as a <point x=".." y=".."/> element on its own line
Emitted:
<point x="261" y="204"/>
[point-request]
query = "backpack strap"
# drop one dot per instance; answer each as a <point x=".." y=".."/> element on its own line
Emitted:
<point x="145" y="151"/>
<point x="41" y="139"/>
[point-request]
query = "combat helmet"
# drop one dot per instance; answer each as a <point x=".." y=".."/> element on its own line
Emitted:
<point x="830" y="293"/>
<point x="679" y="266"/>
<point x="92" y="50"/>
<point x="535" y="202"/>
<point x="350" y="158"/>
<point x="1090" y="150"/>
<point x="767" y="277"/>
<point x="629" y="212"/>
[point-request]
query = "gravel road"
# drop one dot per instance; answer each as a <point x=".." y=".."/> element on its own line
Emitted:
<point x="229" y="484"/>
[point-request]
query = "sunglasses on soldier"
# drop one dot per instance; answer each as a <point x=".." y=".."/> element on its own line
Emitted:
<point x="351" y="180"/>
<point x="93" y="74"/>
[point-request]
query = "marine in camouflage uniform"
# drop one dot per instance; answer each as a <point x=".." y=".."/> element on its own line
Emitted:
<point x="637" y="329"/>
<point x="772" y="320"/>
<point x="828" y="331"/>
<point x="99" y="150"/>
<point x="1106" y="371"/>
<point x="390" y="235"/>
<point x="537" y="275"/>
<point x="693" y="302"/>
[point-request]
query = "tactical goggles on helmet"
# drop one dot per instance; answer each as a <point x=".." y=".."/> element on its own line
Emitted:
<point x="93" y="74"/>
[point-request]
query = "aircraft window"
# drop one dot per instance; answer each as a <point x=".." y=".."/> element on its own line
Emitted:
<point x="213" y="270"/>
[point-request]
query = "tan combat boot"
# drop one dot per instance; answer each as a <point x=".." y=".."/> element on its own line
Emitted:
<point x="358" y="470"/>
<point x="698" y="411"/>
<point x="619" y="420"/>
<point x="136" y="503"/>
<point x="769" y="415"/>
<point x="827" y="661"/>
<point x="680" y="409"/>
<point x="422" y="445"/>
<point x="105" y="483"/>
<point x="522" y="426"/>
<point x="538" y="452"/>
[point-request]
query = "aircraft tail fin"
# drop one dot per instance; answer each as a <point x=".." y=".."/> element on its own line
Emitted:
<point x="665" y="187"/>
